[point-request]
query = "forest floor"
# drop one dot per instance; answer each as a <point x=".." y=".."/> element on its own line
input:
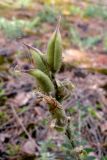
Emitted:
<point x="84" y="64"/>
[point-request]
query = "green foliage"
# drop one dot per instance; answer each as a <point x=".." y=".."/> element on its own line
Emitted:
<point x="23" y="3"/>
<point x="12" y="29"/>
<point x="75" y="37"/>
<point x="86" y="154"/>
<point x="93" y="112"/>
<point x="45" y="147"/>
<point x="2" y="97"/>
<point x="2" y="92"/>
<point x="1" y="59"/>
<point x="75" y="10"/>
<point x="84" y="43"/>
<point x="90" y="11"/>
<point x="104" y="158"/>
<point x="96" y="11"/>
<point x="33" y="23"/>
<point x="48" y="14"/>
<point x="10" y="4"/>
<point x="13" y="150"/>
<point x="15" y="28"/>
<point x="3" y="117"/>
<point x="23" y="109"/>
<point x="90" y="42"/>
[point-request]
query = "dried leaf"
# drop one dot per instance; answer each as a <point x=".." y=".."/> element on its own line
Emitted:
<point x="29" y="147"/>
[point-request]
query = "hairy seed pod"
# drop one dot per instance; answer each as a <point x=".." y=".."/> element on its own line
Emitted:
<point x="40" y="61"/>
<point x="43" y="81"/>
<point x="50" y="51"/>
<point x="58" y="52"/>
<point x="54" y="51"/>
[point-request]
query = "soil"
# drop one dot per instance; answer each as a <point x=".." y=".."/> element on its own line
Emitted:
<point x="86" y="69"/>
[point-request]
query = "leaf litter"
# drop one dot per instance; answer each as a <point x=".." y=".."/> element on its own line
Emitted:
<point x="88" y="72"/>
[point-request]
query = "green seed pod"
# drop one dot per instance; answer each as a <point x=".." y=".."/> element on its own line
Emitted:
<point x="50" y="51"/>
<point x="54" y="51"/>
<point x="43" y="81"/>
<point x="58" y="52"/>
<point x="40" y="61"/>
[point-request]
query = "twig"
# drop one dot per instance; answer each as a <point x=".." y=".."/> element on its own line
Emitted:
<point x="21" y="124"/>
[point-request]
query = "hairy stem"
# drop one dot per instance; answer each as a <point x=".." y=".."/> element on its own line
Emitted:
<point x="56" y="87"/>
<point x="70" y="136"/>
<point x="62" y="121"/>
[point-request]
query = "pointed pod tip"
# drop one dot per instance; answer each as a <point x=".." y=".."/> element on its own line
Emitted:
<point x="58" y="24"/>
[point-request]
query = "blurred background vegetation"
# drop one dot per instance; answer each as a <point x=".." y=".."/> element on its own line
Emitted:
<point x="84" y="30"/>
<point x="80" y="20"/>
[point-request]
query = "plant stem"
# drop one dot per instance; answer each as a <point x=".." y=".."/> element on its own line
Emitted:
<point x="70" y="136"/>
<point x="57" y="111"/>
<point x="56" y="87"/>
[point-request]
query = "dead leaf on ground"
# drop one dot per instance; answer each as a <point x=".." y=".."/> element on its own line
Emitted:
<point x="73" y="56"/>
<point x="29" y="147"/>
<point x="21" y="99"/>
